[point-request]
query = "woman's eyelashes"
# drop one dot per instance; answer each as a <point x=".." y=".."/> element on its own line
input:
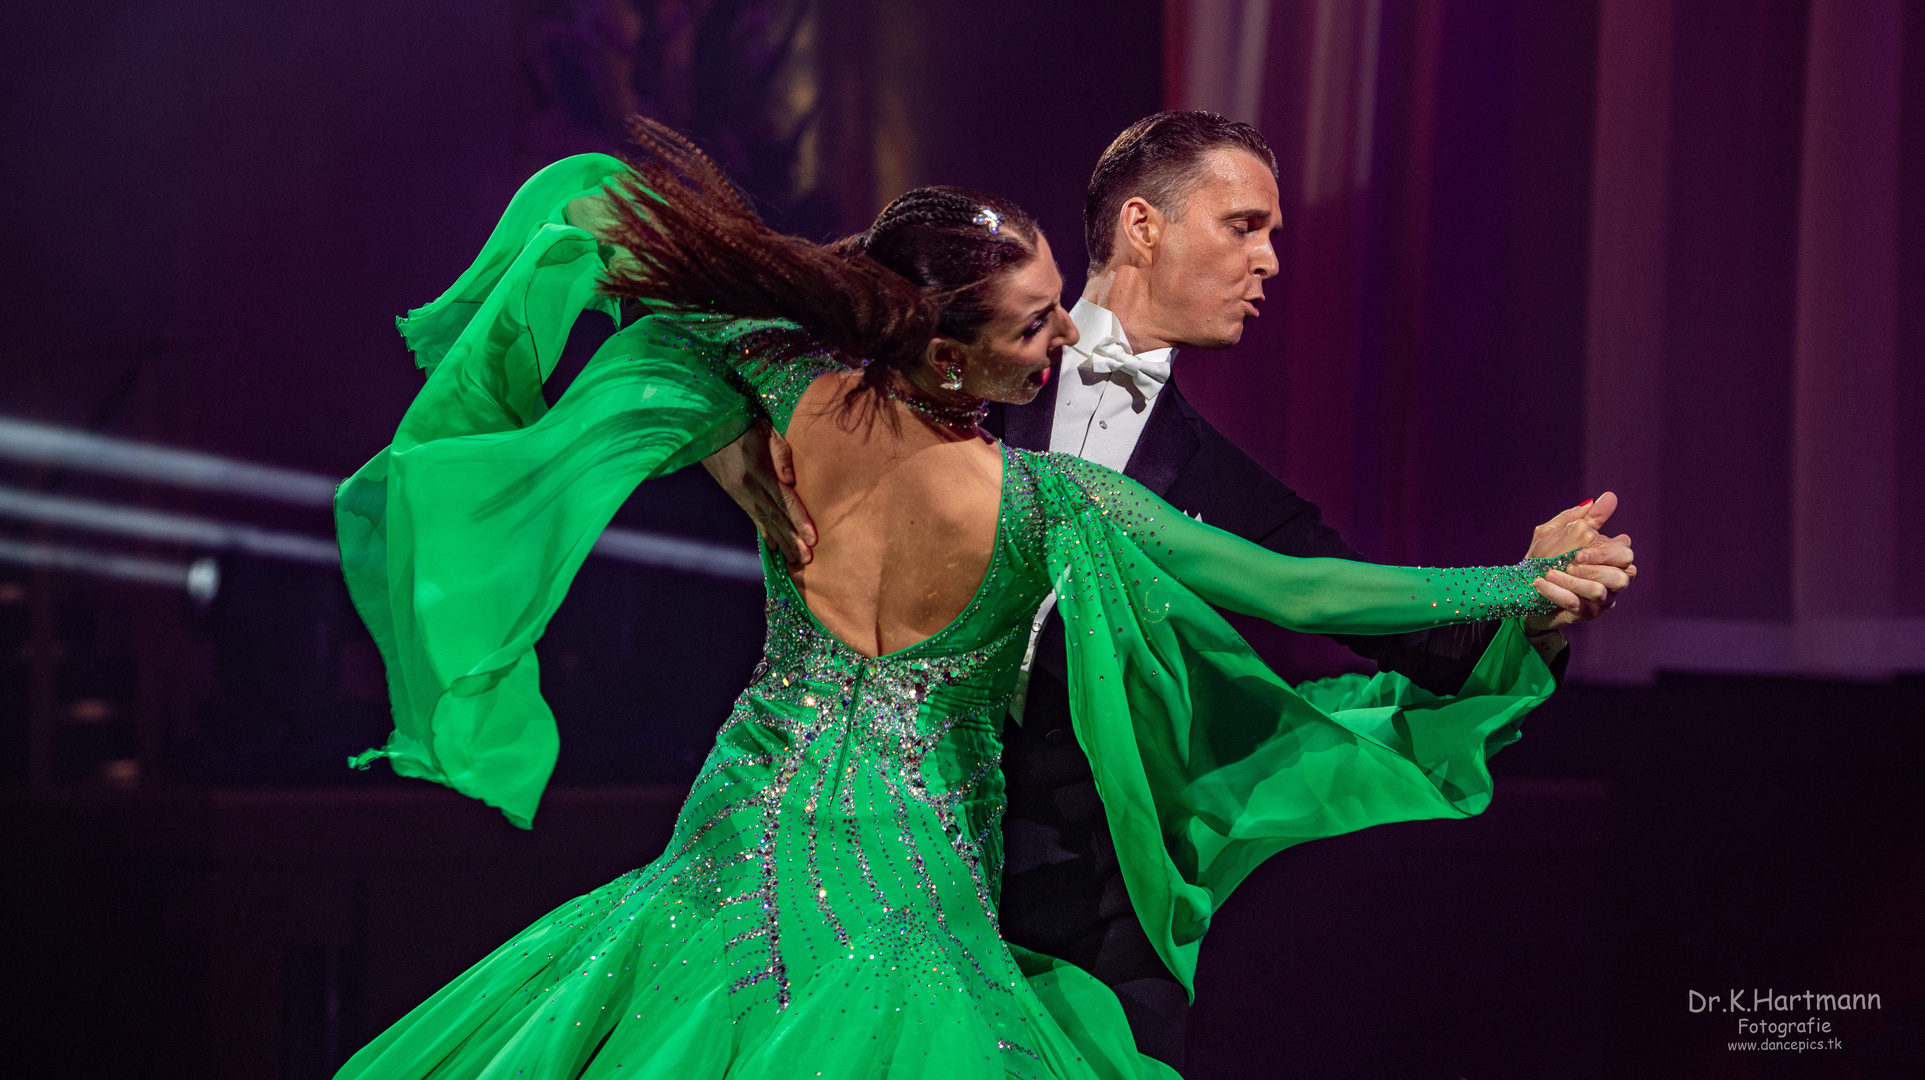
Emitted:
<point x="1037" y="324"/>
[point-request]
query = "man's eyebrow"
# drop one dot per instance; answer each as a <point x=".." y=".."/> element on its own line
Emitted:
<point x="1251" y="212"/>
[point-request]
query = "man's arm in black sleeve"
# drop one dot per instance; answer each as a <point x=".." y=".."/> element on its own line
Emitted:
<point x="1235" y="493"/>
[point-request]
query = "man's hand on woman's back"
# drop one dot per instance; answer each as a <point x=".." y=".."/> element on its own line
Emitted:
<point x="758" y="472"/>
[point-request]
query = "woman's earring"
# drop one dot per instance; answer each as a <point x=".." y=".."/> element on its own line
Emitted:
<point x="954" y="381"/>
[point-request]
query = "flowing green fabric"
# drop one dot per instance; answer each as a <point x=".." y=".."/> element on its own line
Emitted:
<point x="828" y="897"/>
<point x="1208" y="763"/>
<point x="460" y="538"/>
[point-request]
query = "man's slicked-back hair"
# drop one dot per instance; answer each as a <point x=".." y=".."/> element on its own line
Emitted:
<point x="1160" y="159"/>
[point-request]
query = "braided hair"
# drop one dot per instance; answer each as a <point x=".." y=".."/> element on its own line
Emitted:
<point x="930" y="265"/>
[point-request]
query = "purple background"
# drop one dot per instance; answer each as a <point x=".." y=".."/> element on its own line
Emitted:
<point x="214" y="210"/>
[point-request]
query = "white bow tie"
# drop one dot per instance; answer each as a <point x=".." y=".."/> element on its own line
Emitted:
<point x="1146" y="377"/>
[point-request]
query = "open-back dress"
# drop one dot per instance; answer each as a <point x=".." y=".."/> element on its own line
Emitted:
<point x="827" y="904"/>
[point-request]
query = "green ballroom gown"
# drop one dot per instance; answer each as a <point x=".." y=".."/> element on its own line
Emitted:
<point x="827" y="904"/>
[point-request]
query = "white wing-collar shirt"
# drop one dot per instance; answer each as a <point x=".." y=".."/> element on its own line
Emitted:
<point x="1107" y="390"/>
<point x="1102" y="405"/>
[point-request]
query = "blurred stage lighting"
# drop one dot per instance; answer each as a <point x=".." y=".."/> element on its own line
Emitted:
<point x="201" y="578"/>
<point x="143" y="524"/>
<point x="84" y="451"/>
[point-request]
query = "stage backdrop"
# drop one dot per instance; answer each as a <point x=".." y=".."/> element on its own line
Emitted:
<point x="1532" y="250"/>
<point x="1536" y="251"/>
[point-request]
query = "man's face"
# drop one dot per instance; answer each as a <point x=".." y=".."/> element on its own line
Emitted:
<point x="1207" y="273"/>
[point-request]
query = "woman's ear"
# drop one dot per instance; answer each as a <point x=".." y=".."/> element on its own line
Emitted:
<point x="943" y="353"/>
<point x="948" y="359"/>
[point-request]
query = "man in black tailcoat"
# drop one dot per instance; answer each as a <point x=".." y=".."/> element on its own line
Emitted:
<point x="1178" y="220"/>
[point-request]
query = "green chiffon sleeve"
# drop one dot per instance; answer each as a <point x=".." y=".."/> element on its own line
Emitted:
<point x="459" y="540"/>
<point x="1319" y="596"/>
<point x="1207" y="762"/>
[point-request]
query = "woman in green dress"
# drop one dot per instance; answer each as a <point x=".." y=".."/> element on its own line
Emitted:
<point x="826" y="906"/>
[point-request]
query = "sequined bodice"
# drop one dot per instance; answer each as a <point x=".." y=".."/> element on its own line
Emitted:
<point x="850" y="765"/>
<point x="935" y="709"/>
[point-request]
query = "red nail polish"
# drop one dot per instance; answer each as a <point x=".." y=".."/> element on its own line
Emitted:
<point x="1585" y="503"/>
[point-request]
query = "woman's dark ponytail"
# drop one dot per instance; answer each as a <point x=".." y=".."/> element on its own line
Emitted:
<point x="929" y="265"/>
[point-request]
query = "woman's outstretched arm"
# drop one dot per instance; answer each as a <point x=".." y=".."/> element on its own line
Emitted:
<point x="1348" y="597"/>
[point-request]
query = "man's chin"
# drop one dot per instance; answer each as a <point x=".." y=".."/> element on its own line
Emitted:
<point x="1233" y="328"/>
<point x="1226" y="339"/>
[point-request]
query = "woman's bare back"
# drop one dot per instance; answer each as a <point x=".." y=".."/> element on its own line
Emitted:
<point x="905" y="518"/>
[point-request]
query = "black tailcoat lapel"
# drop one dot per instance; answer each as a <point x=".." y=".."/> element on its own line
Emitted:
<point x="1167" y="444"/>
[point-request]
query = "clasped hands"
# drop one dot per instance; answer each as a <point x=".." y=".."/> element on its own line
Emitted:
<point x="1602" y="570"/>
